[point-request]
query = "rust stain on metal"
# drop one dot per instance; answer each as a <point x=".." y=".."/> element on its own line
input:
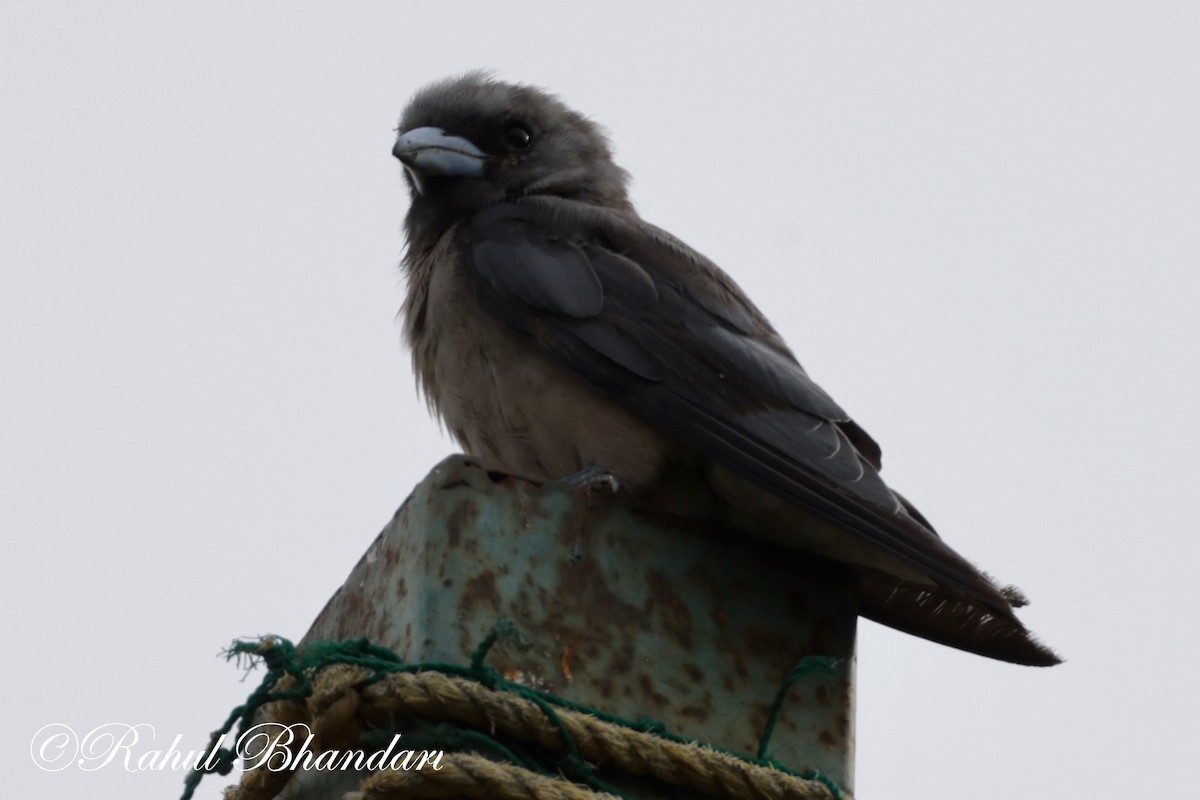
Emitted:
<point x="353" y="605"/>
<point x="564" y="662"/>
<point x="676" y="618"/>
<point x="462" y="517"/>
<point x="480" y="589"/>
<point x="758" y="641"/>
<point x="622" y="660"/>
<point x="587" y="578"/>
<point x="647" y="684"/>
<point x="759" y="713"/>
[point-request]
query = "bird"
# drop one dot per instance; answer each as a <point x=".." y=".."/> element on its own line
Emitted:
<point x="560" y="337"/>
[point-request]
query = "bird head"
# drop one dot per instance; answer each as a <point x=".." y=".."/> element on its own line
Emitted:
<point x="470" y="141"/>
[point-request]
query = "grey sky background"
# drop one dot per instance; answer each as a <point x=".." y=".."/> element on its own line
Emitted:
<point x="977" y="227"/>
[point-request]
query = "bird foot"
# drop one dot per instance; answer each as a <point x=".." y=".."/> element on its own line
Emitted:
<point x="592" y="478"/>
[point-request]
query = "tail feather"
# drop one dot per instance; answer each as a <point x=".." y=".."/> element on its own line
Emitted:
<point x="939" y="615"/>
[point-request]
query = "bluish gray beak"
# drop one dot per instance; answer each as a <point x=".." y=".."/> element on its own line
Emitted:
<point x="428" y="152"/>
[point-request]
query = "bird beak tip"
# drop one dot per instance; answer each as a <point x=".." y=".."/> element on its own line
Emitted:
<point x="432" y="151"/>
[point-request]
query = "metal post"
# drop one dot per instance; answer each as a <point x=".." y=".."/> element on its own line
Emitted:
<point x="692" y="629"/>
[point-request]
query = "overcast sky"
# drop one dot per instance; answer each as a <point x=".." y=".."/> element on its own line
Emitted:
<point x="977" y="227"/>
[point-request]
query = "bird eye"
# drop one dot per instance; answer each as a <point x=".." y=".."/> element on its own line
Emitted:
<point x="518" y="137"/>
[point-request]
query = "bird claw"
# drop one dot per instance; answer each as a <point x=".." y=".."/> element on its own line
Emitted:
<point x="591" y="478"/>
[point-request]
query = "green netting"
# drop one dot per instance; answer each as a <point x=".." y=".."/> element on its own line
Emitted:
<point x="282" y="659"/>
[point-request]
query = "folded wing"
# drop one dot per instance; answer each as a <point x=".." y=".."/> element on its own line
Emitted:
<point x="666" y="333"/>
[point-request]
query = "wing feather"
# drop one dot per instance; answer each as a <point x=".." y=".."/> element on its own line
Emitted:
<point x="670" y="336"/>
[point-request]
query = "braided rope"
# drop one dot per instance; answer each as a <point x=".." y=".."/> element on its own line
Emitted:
<point x="346" y="698"/>
<point x="463" y="775"/>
